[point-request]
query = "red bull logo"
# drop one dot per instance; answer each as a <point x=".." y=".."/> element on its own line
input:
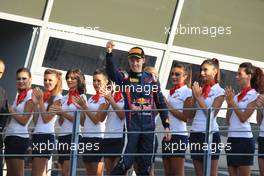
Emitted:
<point x="142" y="101"/>
<point x="141" y="104"/>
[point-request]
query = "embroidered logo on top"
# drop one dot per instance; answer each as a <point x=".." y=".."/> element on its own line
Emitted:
<point x="135" y="80"/>
<point x="244" y="99"/>
<point x="176" y="95"/>
<point x="148" y="80"/>
<point x="210" y="95"/>
<point x="141" y="104"/>
<point x="142" y="101"/>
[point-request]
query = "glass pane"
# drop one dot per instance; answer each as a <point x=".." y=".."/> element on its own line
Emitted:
<point x="228" y="78"/>
<point x="140" y="19"/>
<point x="64" y="55"/>
<point x="228" y="27"/>
<point x="27" y="8"/>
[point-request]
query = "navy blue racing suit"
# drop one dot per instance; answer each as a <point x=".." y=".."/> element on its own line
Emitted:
<point x="141" y="92"/>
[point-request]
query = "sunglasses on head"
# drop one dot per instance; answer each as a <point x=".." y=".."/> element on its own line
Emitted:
<point x="175" y="74"/>
<point x="21" y="78"/>
<point x="72" y="78"/>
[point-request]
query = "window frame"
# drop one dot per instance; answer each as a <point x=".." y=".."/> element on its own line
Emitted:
<point x="37" y="69"/>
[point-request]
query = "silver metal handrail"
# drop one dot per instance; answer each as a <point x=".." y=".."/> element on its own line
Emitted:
<point x="75" y="137"/>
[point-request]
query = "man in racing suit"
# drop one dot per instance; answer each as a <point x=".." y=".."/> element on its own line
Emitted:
<point x="141" y="91"/>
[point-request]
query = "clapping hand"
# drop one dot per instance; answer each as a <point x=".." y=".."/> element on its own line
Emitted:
<point x="79" y="102"/>
<point x="55" y="108"/>
<point x="260" y="101"/>
<point x="37" y="95"/>
<point x="229" y="93"/>
<point x="106" y="93"/>
<point x="197" y="90"/>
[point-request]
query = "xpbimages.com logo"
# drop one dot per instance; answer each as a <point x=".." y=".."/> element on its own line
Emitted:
<point x="50" y="146"/>
<point x="138" y="88"/>
<point x="211" y="31"/>
<point x="171" y="147"/>
<point x="147" y="89"/>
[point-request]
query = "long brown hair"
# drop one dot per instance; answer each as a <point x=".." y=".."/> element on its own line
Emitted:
<point x="187" y="68"/>
<point x="257" y="81"/>
<point x="80" y="78"/>
<point x="214" y="62"/>
<point x="257" y="76"/>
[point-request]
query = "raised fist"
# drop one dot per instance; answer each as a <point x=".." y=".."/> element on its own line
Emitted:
<point x="110" y="46"/>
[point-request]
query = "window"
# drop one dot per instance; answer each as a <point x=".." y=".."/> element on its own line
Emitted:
<point x="223" y="27"/>
<point x="63" y="51"/>
<point x="27" y="8"/>
<point x="139" y="19"/>
<point x="65" y="54"/>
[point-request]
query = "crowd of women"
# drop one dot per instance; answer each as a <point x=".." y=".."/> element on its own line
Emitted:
<point x="102" y="131"/>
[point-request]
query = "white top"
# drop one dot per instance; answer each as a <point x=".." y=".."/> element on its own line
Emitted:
<point x="90" y="129"/>
<point x="235" y="123"/>
<point x="42" y="127"/>
<point x="261" y="132"/>
<point x="114" y="123"/>
<point x="176" y="100"/>
<point x="200" y="118"/>
<point x="14" y="128"/>
<point x="67" y="126"/>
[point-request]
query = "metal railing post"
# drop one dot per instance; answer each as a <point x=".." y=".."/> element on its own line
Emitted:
<point x="75" y="141"/>
<point x="208" y="141"/>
